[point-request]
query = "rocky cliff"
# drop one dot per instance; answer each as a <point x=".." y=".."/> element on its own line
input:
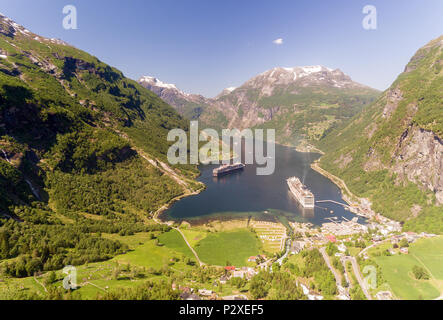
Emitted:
<point x="394" y="147"/>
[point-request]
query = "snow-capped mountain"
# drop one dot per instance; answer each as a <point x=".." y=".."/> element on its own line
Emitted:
<point x="154" y="82"/>
<point x="226" y="92"/>
<point x="308" y="76"/>
<point x="189" y="105"/>
<point x="12" y="29"/>
<point x="286" y="96"/>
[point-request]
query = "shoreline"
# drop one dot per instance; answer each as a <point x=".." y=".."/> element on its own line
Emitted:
<point x="358" y="206"/>
<point x="308" y="148"/>
<point x="157" y="215"/>
<point x="303" y="148"/>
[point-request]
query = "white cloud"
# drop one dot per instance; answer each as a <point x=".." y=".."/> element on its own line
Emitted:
<point x="278" y="41"/>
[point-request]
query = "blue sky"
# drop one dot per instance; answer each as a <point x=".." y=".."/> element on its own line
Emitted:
<point x="204" y="46"/>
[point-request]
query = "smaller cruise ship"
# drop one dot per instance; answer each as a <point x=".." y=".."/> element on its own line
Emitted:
<point x="227" y="168"/>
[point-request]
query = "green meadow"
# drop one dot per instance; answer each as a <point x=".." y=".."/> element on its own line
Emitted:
<point x="148" y="254"/>
<point x="397" y="270"/>
<point x="156" y="253"/>
<point x="193" y="235"/>
<point x="173" y="240"/>
<point x="149" y="257"/>
<point x="234" y="247"/>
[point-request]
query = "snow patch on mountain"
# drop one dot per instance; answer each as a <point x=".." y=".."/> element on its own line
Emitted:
<point x="15" y="29"/>
<point x="300" y="72"/>
<point x="158" y="83"/>
<point x="154" y="82"/>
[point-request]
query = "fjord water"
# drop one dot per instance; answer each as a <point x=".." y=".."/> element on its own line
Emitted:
<point x="245" y="194"/>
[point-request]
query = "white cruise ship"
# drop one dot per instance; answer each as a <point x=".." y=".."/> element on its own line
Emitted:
<point x="301" y="192"/>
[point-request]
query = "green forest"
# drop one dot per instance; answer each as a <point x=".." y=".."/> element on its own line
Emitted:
<point x="71" y="132"/>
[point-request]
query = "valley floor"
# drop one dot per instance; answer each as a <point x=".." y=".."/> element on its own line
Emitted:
<point x="397" y="269"/>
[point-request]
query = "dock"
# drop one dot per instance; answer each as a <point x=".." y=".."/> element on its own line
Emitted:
<point x="335" y="202"/>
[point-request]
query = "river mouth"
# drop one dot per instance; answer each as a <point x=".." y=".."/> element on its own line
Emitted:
<point x="245" y="195"/>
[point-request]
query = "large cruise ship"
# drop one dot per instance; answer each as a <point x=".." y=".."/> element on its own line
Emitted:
<point x="227" y="168"/>
<point x="301" y="192"/>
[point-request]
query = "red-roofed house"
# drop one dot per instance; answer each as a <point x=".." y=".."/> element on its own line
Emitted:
<point x="331" y="238"/>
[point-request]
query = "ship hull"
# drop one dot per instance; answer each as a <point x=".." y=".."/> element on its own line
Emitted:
<point x="229" y="171"/>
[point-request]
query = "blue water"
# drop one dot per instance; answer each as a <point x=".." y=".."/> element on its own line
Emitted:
<point x="245" y="194"/>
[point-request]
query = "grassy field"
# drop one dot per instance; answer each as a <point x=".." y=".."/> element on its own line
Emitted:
<point x="234" y="247"/>
<point x="397" y="270"/>
<point x="148" y="254"/>
<point x="173" y="240"/>
<point x="96" y="278"/>
<point x="193" y="235"/>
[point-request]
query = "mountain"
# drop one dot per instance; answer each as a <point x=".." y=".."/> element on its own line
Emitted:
<point x="392" y="152"/>
<point x="301" y="103"/>
<point x="190" y="106"/>
<point x="82" y="151"/>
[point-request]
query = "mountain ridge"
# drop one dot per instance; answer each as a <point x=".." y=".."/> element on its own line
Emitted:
<point x="82" y="152"/>
<point x="392" y="152"/>
<point x="273" y="95"/>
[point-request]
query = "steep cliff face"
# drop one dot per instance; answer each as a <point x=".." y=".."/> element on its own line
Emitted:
<point x="419" y="159"/>
<point x="396" y="145"/>
<point x="301" y="103"/>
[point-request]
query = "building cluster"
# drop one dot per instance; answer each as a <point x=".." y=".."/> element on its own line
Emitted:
<point x="385" y="226"/>
<point x="297" y="246"/>
<point x="233" y="272"/>
<point x="384" y="295"/>
<point x="247" y="273"/>
<point x="244" y="273"/>
<point x="410" y="237"/>
<point x="259" y="258"/>
<point x="186" y="293"/>
<point x="306" y="237"/>
<point x="344" y="228"/>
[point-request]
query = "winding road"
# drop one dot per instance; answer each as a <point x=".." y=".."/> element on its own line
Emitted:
<point x="341" y="290"/>
<point x="372" y="246"/>
<point x="288" y="247"/>
<point x="361" y="282"/>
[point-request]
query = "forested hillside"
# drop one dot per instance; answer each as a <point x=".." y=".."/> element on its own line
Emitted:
<point x="80" y="147"/>
<point x="392" y="152"/>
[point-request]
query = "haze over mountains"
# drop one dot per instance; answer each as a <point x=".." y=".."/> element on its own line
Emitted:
<point x="302" y="103"/>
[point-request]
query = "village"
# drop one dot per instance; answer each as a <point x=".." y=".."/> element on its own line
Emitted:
<point x="304" y="236"/>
